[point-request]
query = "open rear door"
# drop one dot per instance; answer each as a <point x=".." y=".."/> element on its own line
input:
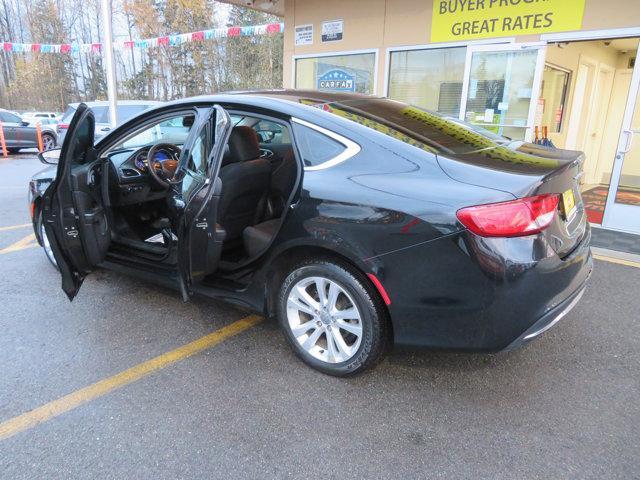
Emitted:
<point x="75" y="219"/>
<point x="200" y="238"/>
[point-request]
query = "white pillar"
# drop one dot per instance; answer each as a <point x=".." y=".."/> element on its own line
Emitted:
<point x="107" y="49"/>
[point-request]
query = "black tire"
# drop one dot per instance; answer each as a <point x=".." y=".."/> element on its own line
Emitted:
<point x="13" y="150"/>
<point x="42" y="237"/>
<point x="374" y="317"/>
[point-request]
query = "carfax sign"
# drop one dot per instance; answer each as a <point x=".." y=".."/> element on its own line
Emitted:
<point x="454" y="20"/>
<point x="337" y="81"/>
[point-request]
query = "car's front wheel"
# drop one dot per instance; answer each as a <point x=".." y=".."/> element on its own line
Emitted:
<point x="332" y="317"/>
<point x="46" y="246"/>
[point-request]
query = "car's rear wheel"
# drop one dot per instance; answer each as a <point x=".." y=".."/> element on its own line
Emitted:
<point x="46" y="246"/>
<point x="48" y="142"/>
<point x="13" y="150"/>
<point x="332" y="317"/>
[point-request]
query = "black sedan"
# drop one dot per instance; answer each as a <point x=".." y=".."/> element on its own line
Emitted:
<point x="358" y="222"/>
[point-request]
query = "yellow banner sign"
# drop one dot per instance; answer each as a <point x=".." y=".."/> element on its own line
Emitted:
<point x="455" y="20"/>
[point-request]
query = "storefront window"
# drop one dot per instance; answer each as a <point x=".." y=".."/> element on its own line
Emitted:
<point x="500" y="89"/>
<point x="338" y="73"/>
<point x="430" y="78"/>
<point x="553" y="95"/>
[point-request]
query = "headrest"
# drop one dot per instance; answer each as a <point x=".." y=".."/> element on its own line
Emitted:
<point x="188" y="121"/>
<point x="243" y="145"/>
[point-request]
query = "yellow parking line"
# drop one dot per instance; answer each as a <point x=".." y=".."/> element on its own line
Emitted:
<point x="14" y="227"/>
<point x="27" y="242"/>
<point x="79" y="397"/>
<point x="619" y="261"/>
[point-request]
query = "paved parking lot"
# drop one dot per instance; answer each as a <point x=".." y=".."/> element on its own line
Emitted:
<point x="566" y="406"/>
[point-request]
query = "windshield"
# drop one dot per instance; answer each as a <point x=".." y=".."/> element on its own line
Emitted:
<point x="172" y="130"/>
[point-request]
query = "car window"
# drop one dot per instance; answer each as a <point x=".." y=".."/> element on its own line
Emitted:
<point x="170" y="130"/>
<point x="10" y="117"/>
<point x="272" y="133"/>
<point x="197" y="166"/>
<point x="125" y="112"/>
<point x="315" y="147"/>
<point x="101" y="114"/>
<point x="68" y="114"/>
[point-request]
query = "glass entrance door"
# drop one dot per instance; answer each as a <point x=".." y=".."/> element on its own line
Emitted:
<point x="622" y="211"/>
<point x="499" y="85"/>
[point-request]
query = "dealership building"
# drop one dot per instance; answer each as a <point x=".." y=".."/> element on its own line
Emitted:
<point x="559" y="72"/>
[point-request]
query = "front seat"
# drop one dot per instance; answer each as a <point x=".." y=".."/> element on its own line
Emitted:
<point x="245" y="183"/>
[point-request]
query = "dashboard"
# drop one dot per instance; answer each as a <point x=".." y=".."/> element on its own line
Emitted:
<point x="130" y="180"/>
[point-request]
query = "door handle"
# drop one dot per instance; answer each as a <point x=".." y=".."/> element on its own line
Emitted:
<point x="629" y="134"/>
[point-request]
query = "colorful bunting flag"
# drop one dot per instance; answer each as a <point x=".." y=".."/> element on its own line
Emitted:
<point x="172" y="40"/>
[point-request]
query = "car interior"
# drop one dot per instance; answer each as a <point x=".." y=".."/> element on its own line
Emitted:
<point x="258" y="171"/>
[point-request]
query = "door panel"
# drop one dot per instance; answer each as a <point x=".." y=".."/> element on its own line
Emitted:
<point x="73" y="208"/>
<point x="200" y="238"/>
<point x="622" y="211"/>
<point x="27" y="136"/>
<point x="9" y="124"/>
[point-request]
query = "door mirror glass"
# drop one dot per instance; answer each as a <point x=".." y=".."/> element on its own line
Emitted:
<point x="24" y="124"/>
<point x="50" y="157"/>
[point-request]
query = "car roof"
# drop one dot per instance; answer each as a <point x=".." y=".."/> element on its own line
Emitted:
<point x="290" y="102"/>
<point x="103" y="103"/>
<point x="282" y="95"/>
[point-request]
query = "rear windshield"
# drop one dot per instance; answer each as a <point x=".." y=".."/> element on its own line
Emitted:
<point x="421" y="128"/>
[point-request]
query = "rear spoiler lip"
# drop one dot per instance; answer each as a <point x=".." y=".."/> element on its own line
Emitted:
<point x="576" y="161"/>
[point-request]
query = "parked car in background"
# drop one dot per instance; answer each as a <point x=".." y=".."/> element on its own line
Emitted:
<point x="28" y="116"/>
<point x="41" y="120"/>
<point x="20" y="133"/>
<point x="126" y="110"/>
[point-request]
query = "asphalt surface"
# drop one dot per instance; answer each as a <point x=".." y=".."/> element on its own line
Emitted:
<point x="565" y="406"/>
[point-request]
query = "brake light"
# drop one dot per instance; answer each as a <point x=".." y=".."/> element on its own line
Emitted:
<point x="525" y="216"/>
<point x="63" y="126"/>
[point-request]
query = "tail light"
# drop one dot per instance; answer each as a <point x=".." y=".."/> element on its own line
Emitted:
<point x="525" y="216"/>
<point x="63" y="126"/>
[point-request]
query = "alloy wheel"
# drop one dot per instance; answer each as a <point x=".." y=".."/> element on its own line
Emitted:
<point x="48" y="142"/>
<point x="324" y="319"/>
<point x="46" y="245"/>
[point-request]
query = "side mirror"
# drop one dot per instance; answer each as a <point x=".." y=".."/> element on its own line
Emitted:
<point x="24" y="124"/>
<point x="49" y="157"/>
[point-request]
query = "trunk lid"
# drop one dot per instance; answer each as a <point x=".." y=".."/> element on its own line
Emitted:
<point x="524" y="170"/>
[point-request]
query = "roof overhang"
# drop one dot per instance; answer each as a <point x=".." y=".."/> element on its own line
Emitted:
<point x="275" y="7"/>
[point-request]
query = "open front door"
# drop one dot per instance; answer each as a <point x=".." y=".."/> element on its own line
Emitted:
<point x="75" y="219"/>
<point x="200" y="238"/>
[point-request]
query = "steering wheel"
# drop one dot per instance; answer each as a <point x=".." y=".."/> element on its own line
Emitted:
<point x="163" y="172"/>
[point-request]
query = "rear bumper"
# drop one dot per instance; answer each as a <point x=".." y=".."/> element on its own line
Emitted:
<point x="547" y="321"/>
<point x="476" y="294"/>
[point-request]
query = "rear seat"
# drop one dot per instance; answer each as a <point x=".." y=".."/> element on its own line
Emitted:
<point x="258" y="237"/>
